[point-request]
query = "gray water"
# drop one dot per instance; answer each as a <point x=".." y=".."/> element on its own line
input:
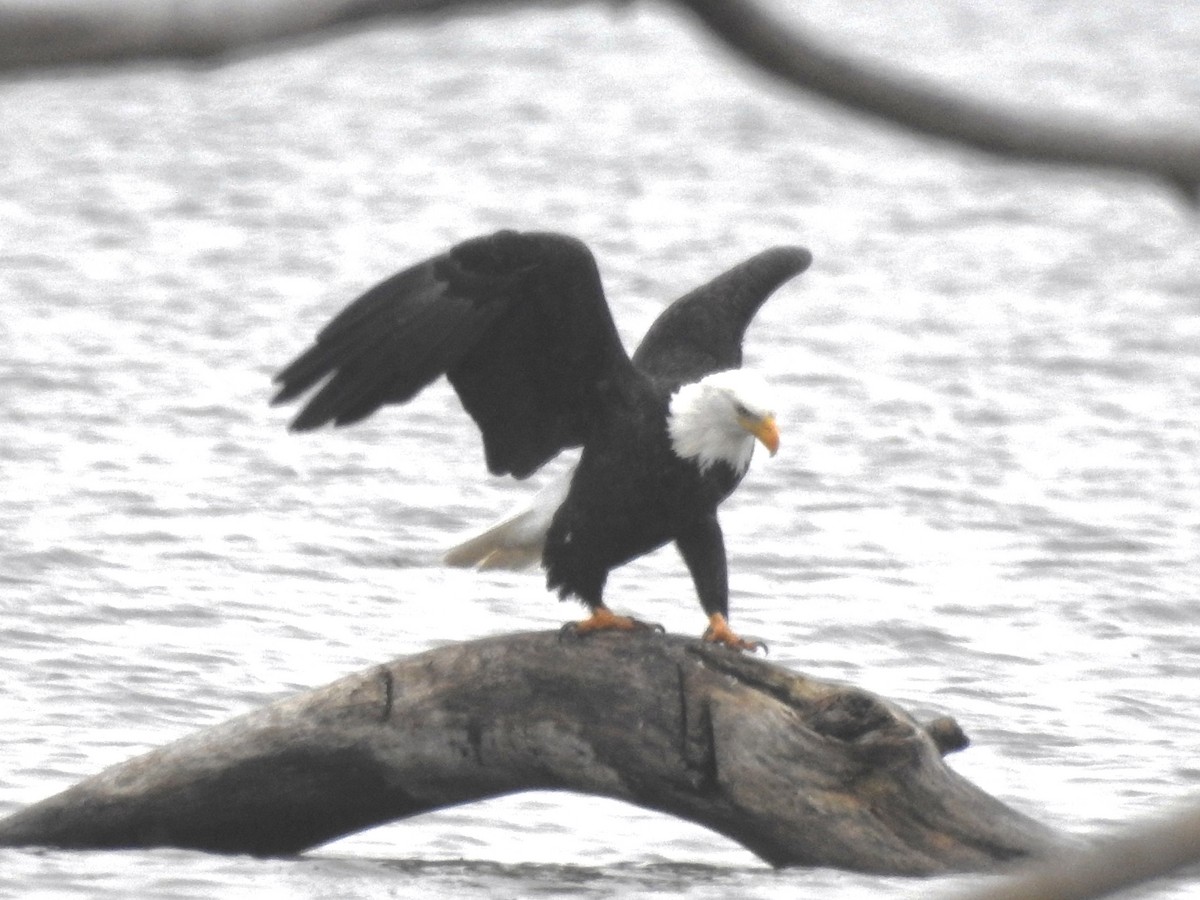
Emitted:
<point x="987" y="503"/>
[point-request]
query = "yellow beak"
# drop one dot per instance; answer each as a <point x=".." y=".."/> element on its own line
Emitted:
<point x="765" y="430"/>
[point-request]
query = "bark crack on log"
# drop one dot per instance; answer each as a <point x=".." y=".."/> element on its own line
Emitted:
<point x="753" y="672"/>
<point x="389" y="692"/>
<point x="474" y="742"/>
<point x="698" y="739"/>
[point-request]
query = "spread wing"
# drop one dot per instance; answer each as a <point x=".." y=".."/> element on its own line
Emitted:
<point x="517" y="322"/>
<point x="702" y="331"/>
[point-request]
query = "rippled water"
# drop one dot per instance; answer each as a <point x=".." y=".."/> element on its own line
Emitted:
<point x="987" y="503"/>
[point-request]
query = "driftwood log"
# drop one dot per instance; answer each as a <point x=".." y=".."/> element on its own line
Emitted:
<point x="802" y="772"/>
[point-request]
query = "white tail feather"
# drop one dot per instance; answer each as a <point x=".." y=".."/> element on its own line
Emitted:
<point x="516" y="541"/>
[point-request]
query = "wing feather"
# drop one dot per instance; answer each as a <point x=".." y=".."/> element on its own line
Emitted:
<point x="702" y="331"/>
<point x="519" y="324"/>
<point x="360" y="332"/>
<point x="430" y="341"/>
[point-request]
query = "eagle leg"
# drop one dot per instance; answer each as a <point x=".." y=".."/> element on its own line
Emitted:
<point x="719" y="632"/>
<point x="604" y="619"/>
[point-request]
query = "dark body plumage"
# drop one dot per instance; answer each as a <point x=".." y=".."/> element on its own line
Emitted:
<point x="519" y="324"/>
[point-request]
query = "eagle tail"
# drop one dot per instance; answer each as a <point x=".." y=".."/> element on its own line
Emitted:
<point x="516" y="541"/>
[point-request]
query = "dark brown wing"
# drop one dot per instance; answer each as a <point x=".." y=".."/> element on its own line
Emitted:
<point x="702" y="331"/>
<point x="517" y="321"/>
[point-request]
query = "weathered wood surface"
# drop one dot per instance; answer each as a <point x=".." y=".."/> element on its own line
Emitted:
<point x="802" y="772"/>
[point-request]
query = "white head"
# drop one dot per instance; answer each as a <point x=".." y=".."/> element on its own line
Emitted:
<point x="719" y="417"/>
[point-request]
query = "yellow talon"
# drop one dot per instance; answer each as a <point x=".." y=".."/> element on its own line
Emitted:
<point x="604" y="619"/>
<point x="719" y="632"/>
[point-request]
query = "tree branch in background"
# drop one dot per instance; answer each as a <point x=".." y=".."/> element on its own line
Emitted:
<point x="789" y="55"/>
<point x="47" y="33"/>
<point x="1134" y="856"/>
<point x="40" y="34"/>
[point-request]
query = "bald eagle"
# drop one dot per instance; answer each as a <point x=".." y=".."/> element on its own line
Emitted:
<point x="519" y="325"/>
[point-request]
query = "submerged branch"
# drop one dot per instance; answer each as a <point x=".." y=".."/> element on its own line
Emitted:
<point x="802" y="772"/>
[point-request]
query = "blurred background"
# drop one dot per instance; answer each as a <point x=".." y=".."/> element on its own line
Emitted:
<point x="987" y="501"/>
